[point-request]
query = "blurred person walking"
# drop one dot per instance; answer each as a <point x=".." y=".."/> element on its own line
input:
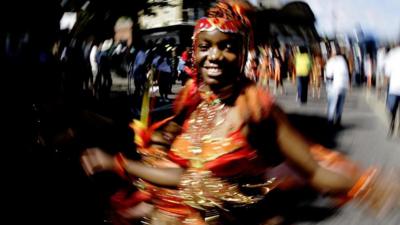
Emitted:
<point x="303" y="68"/>
<point x="278" y="72"/>
<point x="163" y="65"/>
<point x="115" y="56"/>
<point x="368" y="71"/>
<point x="337" y="83"/>
<point x="317" y="74"/>
<point x="392" y="72"/>
<point x="380" y="72"/>
<point x="264" y="69"/>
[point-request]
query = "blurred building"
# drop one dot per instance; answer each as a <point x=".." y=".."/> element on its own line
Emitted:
<point x="277" y="20"/>
<point x="285" y="21"/>
<point x="175" y="21"/>
<point x="163" y="16"/>
<point x="268" y="3"/>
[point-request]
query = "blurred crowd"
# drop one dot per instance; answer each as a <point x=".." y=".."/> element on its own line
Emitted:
<point x="126" y="63"/>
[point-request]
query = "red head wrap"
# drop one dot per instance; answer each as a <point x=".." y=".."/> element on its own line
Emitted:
<point x="229" y="17"/>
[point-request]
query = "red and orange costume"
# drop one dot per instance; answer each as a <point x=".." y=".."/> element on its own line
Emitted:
<point x="221" y="171"/>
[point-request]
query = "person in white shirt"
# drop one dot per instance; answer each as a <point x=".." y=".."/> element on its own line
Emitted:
<point x="380" y="75"/>
<point x="392" y="72"/>
<point x="337" y="83"/>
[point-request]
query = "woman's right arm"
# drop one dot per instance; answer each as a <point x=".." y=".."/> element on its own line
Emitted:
<point x="95" y="160"/>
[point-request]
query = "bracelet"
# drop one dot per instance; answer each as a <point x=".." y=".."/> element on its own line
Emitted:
<point x="362" y="183"/>
<point x="120" y="163"/>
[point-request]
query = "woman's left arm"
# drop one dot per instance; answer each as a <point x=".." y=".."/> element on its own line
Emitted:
<point x="297" y="149"/>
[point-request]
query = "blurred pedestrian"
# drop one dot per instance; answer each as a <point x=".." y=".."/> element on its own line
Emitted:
<point x="303" y="65"/>
<point x="392" y="72"/>
<point x="337" y="79"/>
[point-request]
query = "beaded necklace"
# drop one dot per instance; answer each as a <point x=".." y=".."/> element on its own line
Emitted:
<point x="209" y="114"/>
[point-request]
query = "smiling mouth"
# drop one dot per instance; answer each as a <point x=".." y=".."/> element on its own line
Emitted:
<point x="213" y="71"/>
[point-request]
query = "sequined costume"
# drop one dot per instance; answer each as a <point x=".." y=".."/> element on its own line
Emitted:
<point x="222" y="172"/>
<point x="220" y="144"/>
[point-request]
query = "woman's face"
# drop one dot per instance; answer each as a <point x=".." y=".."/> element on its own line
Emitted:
<point x="218" y="57"/>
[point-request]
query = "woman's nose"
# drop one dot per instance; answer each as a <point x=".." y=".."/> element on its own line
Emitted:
<point x="215" y="53"/>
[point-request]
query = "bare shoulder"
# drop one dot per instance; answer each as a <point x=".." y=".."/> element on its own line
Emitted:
<point x="259" y="102"/>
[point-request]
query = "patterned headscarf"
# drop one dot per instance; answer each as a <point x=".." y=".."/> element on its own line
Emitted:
<point x="229" y="17"/>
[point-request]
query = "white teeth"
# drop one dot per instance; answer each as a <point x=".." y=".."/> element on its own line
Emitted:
<point x="214" y="71"/>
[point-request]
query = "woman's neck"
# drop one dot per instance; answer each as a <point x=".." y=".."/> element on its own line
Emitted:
<point x="226" y="94"/>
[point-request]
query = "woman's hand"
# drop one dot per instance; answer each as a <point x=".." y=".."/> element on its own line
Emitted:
<point x="95" y="160"/>
<point x="139" y="211"/>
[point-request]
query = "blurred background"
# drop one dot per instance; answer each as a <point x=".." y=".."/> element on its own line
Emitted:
<point x="75" y="73"/>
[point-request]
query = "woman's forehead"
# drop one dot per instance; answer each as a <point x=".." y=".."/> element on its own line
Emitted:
<point x="217" y="35"/>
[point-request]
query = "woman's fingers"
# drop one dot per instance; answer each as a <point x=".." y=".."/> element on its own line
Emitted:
<point x="86" y="165"/>
<point x="94" y="160"/>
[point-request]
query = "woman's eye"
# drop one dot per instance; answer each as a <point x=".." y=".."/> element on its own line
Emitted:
<point x="203" y="47"/>
<point x="229" y="47"/>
